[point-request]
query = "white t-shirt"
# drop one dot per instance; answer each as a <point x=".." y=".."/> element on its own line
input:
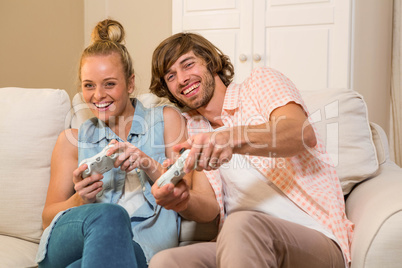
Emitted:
<point x="245" y="188"/>
<point x="132" y="197"/>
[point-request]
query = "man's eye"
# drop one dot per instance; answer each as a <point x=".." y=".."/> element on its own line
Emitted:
<point x="188" y="65"/>
<point x="169" y="77"/>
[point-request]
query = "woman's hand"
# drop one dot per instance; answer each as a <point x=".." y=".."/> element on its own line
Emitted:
<point x="87" y="188"/>
<point x="130" y="158"/>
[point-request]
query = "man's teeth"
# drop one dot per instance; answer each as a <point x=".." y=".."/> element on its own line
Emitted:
<point x="188" y="90"/>
<point x="102" y="105"/>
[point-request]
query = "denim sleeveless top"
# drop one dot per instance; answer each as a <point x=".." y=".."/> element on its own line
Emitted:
<point x="154" y="227"/>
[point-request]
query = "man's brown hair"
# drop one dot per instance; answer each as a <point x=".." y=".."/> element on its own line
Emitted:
<point x="172" y="48"/>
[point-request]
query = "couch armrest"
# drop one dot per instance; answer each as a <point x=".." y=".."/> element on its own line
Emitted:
<point x="380" y="141"/>
<point x="375" y="206"/>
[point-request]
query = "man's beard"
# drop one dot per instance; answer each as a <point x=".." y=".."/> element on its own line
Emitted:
<point x="208" y="87"/>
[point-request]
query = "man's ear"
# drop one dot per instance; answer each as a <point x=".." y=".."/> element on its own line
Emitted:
<point x="131" y="84"/>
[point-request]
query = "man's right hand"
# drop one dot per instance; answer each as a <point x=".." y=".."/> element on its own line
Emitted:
<point x="208" y="151"/>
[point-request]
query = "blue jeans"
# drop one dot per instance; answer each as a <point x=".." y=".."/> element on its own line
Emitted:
<point x="93" y="235"/>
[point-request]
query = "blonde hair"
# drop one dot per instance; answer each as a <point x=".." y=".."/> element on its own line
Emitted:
<point x="107" y="38"/>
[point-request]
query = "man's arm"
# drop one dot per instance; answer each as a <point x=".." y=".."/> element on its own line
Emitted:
<point x="287" y="133"/>
<point x="193" y="197"/>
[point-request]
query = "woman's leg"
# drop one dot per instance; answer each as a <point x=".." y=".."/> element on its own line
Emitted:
<point x="95" y="235"/>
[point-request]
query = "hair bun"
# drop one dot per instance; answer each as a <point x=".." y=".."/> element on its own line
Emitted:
<point x="108" y="30"/>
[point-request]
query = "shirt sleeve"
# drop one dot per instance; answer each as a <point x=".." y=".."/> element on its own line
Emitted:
<point x="272" y="90"/>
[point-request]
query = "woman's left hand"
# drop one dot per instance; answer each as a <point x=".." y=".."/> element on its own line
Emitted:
<point x="130" y="157"/>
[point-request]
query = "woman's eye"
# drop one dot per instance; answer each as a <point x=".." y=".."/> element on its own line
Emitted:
<point x="110" y="84"/>
<point x="88" y="86"/>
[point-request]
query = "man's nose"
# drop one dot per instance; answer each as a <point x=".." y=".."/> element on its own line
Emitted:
<point x="183" y="77"/>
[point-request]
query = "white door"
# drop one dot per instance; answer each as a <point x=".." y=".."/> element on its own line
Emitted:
<point x="226" y="23"/>
<point x="308" y="40"/>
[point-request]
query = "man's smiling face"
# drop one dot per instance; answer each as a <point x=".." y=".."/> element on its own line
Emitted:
<point x="190" y="82"/>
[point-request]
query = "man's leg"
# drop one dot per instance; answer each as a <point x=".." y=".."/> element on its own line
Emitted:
<point x="255" y="239"/>
<point x="94" y="235"/>
<point x="200" y="255"/>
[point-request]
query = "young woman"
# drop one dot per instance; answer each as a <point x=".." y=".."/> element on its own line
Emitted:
<point x="113" y="220"/>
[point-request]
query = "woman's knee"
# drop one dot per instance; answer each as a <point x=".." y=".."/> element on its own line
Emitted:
<point x="105" y="214"/>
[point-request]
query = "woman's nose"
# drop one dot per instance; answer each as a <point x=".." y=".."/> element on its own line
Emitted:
<point x="99" y="92"/>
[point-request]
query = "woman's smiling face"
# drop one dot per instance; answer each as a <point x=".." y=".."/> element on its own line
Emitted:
<point x="105" y="88"/>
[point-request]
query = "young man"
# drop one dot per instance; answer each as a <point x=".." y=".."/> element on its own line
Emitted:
<point x="283" y="199"/>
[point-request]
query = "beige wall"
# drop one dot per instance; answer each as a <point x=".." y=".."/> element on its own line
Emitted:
<point x="146" y="23"/>
<point x="371" y="57"/>
<point x="41" y="42"/>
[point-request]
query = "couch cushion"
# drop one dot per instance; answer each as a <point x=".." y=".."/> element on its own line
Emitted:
<point x="30" y="122"/>
<point x="340" y="117"/>
<point x="15" y="252"/>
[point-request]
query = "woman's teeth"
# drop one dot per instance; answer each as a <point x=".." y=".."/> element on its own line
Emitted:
<point x="102" y="105"/>
<point x="188" y="90"/>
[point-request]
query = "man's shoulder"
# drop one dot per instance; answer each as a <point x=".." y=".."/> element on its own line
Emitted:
<point x="265" y="72"/>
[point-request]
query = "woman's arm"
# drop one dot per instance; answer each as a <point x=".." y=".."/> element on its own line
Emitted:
<point x="131" y="157"/>
<point x="66" y="187"/>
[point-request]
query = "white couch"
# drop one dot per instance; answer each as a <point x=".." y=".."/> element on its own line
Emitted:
<point x="31" y="119"/>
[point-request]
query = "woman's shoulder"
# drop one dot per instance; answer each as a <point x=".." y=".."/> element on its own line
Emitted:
<point x="172" y="115"/>
<point x="68" y="138"/>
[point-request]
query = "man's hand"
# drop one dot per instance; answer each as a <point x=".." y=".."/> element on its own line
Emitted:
<point x="174" y="197"/>
<point x="208" y="150"/>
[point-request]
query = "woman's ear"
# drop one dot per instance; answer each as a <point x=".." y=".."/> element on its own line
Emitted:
<point x="131" y="84"/>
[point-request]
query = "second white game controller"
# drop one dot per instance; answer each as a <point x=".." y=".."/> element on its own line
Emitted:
<point x="175" y="173"/>
<point x="100" y="163"/>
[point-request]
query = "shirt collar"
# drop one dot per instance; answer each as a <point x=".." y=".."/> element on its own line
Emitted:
<point x="139" y="125"/>
<point x="231" y="101"/>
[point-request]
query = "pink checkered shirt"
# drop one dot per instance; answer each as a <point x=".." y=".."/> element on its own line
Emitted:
<point x="308" y="179"/>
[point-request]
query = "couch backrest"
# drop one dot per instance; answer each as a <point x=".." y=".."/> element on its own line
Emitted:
<point x="30" y="122"/>
<point x="341" y="119"/>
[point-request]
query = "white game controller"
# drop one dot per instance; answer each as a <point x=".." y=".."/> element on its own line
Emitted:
<point x="99" y="163"/>
<point x="175" y="173"/>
